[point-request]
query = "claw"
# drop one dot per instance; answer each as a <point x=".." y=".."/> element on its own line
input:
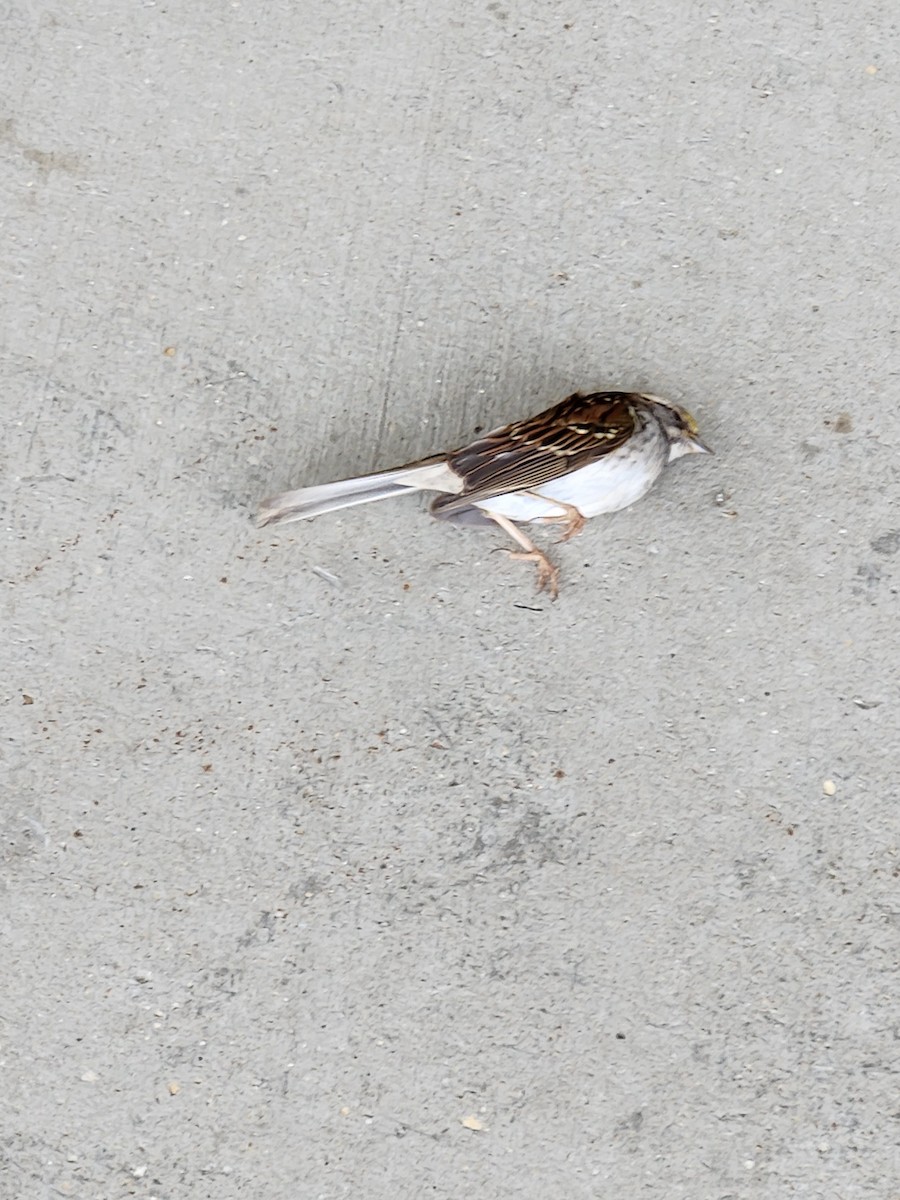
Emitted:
<point x="548" y="573"/>
<point x="574" y="525"/>
<point x="572" y="519"/>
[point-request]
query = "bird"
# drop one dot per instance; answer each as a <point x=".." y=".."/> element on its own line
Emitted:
<point x="592" y="453"/>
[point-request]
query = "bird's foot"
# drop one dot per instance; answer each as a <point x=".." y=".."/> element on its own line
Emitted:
<point x="572" y="520"/>
<point x="547" y="572"/>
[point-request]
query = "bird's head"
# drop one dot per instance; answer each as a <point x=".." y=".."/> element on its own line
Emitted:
<point x="680" y="427"/>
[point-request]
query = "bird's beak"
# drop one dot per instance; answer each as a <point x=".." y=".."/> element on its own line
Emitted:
<point x="698" y="446"/>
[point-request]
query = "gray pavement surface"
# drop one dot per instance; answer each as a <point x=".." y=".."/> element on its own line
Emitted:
<point x="336" y="863"/>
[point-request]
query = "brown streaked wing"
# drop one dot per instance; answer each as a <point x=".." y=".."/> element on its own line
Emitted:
<point x="523" y="456"/>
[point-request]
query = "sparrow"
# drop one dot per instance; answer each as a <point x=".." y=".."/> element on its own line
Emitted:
<point x="590" y="454"/>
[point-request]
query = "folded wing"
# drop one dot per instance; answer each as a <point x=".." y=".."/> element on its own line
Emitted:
<point x="527" y="454"/>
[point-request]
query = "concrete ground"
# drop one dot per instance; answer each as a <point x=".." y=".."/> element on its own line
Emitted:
<point x="336" y="862"/>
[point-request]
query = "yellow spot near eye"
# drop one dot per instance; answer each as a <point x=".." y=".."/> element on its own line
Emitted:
<point x="689" y="423"/>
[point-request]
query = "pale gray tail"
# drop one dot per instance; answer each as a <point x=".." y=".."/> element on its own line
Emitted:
<point x="326" y="497"/>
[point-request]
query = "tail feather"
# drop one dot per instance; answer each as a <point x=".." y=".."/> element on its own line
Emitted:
<point x="321" y="498"/>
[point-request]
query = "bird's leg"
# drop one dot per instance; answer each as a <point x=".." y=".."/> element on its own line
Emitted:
<point x="573" y="520"/>
<point x="548" y="574"/>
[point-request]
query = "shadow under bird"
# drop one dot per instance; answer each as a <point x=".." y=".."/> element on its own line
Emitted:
<point x="588" y="455"/>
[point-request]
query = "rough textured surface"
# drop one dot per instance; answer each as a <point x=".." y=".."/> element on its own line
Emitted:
<point x="304" y="879"/>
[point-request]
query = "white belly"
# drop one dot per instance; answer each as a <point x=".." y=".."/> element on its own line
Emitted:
<point x="604" y="486"/>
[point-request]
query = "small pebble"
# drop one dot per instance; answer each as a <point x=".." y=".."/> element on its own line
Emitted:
<point x="829" y="787"/>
